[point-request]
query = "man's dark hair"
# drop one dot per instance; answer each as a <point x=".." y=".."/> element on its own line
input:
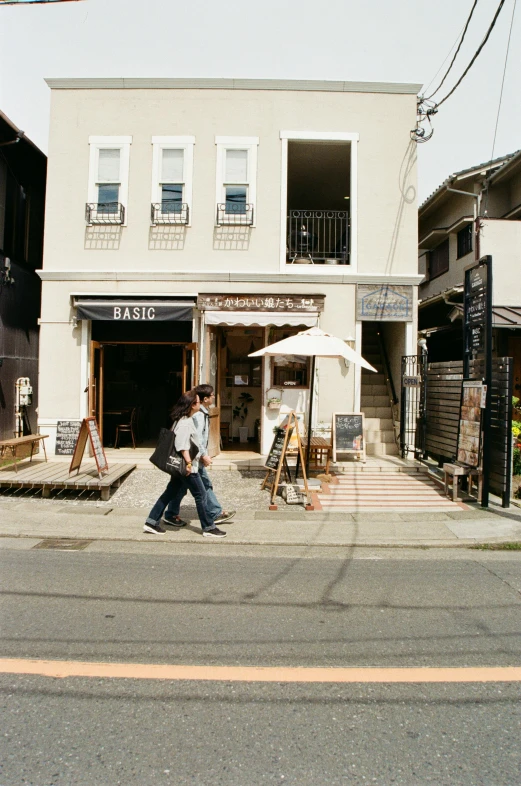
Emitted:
<point x="203" y="391"/>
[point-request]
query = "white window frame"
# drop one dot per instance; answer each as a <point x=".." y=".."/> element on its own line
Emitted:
<point x="122" y="143"/>
<point x="185" y="143"/>
<point x="249" y="143"/>
<point x="327" y="136"/>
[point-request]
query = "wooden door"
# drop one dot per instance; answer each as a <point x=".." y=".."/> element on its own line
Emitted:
<point x="97" y="360"/>
<point x="214" y="442"/>
<point x="214" y="437"/>
<point x="190" y="366"/>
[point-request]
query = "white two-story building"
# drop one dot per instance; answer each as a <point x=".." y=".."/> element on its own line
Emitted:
<point x="192" y="221"/>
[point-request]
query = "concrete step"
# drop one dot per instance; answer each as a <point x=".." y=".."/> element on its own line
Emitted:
<point x="378" y="424"/>
<point x="371" y="411"/>
<point x="382" y="449"/>
<point x="374" y="435"/>
<point x="374" y="401"/>
<point x="373" y="390"/>
<point x="370" y="378"/>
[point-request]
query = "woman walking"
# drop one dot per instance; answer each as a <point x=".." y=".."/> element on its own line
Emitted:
<point x="186" y="441"/>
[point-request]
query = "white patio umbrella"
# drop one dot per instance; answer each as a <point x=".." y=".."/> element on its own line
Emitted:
<point x="314" y="343"/>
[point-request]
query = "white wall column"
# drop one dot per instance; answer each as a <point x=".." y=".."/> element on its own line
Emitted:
<point x="84" y="367"/>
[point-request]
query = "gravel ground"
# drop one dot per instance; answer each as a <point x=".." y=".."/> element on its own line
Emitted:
<point x="140" y="489"/>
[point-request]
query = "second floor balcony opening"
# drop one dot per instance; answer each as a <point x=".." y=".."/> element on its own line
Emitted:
<point x="318" y="210"/>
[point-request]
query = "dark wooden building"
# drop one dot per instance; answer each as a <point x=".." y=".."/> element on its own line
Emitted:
<point x="22" y="202"/>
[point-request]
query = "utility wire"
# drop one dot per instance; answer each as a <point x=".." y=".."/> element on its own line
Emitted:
<point x="501" y="95"/>
<point x="457" y="50"/>
<point x="487" y="36"/>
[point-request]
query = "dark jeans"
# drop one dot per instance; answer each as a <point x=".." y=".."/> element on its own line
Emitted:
<point x="213" y="505"/>
<point x="198" y="491"/>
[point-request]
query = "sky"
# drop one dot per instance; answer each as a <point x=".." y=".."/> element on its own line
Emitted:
<point x="353" y="40"/>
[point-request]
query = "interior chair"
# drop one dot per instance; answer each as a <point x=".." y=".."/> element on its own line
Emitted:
<point x="127" y="427"/>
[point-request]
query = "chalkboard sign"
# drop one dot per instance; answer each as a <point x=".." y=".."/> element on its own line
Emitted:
<point x="66" y="436"/>
<point x="348" y="433"/>
<point x="277" y="446"/>
<point x="89" y="430"/>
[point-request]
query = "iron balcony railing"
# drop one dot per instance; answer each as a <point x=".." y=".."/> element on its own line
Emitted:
<point x="169" y="213"/>
<point x="104" y="213"/>
<point x="318" y="236"/>
<point x="234" y="214"/>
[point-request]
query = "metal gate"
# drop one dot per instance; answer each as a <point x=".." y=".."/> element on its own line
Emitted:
<point x="413" y="405"/>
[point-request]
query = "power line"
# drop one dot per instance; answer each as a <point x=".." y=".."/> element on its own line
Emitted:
<point x="501" y="95"/>
<point x="487" y="36"/>
<point x="457" y="50"/>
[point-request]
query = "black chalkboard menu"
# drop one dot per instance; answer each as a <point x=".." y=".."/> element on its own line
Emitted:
<point x="66" y="435"/>
<point x="348" y="433"/>
<point x="275" y="454"/>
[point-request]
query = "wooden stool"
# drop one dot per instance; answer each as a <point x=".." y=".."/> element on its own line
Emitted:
<point x="457" y="471"/>
<point x="224" y="432"/>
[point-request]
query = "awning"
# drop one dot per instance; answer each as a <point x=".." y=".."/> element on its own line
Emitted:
<point x="261" y="318"/>
<point x="135" y="309"/>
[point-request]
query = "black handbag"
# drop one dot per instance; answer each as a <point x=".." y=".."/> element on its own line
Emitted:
<point x="166" y="458"/>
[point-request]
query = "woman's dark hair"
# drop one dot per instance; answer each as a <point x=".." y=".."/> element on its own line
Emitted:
<point x="203" y="391"/>
<point x="183" y="406"/>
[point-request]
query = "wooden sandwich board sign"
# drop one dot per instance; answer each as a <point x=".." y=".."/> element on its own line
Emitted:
<point x="473" y="401"/>
<point x="349" y="434"/>
<point x="89" y="431"/>
<point x="277" y="459"/>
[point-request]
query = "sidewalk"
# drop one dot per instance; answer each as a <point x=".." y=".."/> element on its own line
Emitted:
<point x="33" y="520"/>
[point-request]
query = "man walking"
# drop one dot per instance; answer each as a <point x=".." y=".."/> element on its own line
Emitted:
<point x="202" y="424"/>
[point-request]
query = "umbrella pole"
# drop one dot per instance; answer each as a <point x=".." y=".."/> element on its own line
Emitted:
<point x="310" y="420"/>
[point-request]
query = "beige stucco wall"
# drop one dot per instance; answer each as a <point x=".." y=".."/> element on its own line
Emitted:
<point x="387" y="232"/>
<point x="502" y="240"/>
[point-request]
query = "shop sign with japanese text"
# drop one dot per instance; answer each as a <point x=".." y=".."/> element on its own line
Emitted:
<point x="297" y="303"/>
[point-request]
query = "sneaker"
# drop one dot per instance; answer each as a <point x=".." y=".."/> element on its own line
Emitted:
<point x="155" y="529"/>
<point x="225" y="516"/>
<point x="214" y="533"/>
<point x="175" y="522"/>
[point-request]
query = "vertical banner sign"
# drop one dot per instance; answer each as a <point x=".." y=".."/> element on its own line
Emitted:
<point x="477" y="344"/>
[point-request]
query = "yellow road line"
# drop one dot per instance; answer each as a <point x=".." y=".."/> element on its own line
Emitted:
<point x="157" y="671"/>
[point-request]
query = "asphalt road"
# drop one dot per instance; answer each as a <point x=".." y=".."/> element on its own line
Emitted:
<point x="388" y="610"/>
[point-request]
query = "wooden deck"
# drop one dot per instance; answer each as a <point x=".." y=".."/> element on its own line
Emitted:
<point x="50" y="476"/>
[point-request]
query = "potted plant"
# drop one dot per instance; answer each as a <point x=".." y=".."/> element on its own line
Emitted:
<point x="240" y="412"/>
<point x="274" y="402"/>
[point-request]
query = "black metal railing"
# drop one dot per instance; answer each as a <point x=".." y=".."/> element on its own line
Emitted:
<point x="169" y="212"/>
<point x="234" y="214"/>
<point x="104" y="213"/>
<point x="320" y="236"/>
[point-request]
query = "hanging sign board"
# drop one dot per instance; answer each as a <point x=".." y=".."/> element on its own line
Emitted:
<point x="66" y="436"/>
<point x="89" y="431"/>
<point x="348" y="433"/>
<point x="473" y="399"/>
<point x="411" y="381"/>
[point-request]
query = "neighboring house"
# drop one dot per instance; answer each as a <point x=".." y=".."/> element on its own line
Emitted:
<point x="452" y="238"/>
<point x="192" y="221"/>
<point x="22" y="204"/>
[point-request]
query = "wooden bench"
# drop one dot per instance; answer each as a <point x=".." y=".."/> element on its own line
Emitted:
<point x="457" y="471"/>
<point x="16" y="442"/>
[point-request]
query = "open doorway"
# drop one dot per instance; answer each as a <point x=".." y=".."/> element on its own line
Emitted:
<point x="133" y="387"/>
<point x="240" y="387"/>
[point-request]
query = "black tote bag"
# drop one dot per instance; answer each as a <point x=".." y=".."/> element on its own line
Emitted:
<point x="166" y="458"/>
